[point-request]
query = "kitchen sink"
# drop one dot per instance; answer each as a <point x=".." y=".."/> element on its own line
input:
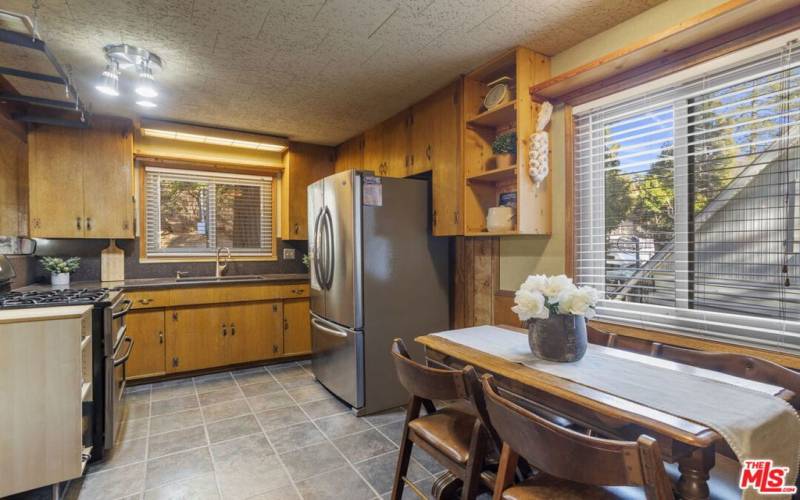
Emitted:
<point x="241" y="277"/>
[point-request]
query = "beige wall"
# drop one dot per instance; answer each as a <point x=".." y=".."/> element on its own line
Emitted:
<point x="13" y="179"/>
<point x="521" y="256"/>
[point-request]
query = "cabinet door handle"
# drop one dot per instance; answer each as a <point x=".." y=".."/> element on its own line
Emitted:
<point x="285" y="324"/>
<point x="78" y="222"/>
<point x="428" y="152"/>
<point x="145" y="301"/>
<point x="233" y="329"/>
<point x="88" y="223"/>
<point x="224" y="330"/>
<point x="296" y="228"/>
<point x="174" y="315"/>
<point x="160" y="337"/>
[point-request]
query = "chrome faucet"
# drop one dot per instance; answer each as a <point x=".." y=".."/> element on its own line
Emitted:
<point x="221" y="267"/>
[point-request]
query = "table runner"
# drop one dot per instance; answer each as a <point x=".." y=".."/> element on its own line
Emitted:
<point x="755" y="423"/>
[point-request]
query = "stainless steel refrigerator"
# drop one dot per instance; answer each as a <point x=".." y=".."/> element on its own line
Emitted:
<point x="377" y="274"/>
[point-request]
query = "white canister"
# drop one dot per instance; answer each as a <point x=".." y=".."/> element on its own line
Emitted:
<point x="500" y="219"/>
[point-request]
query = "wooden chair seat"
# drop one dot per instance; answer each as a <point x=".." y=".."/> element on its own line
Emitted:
<point x="449" y="430"/>
<point x="546" y="487"/>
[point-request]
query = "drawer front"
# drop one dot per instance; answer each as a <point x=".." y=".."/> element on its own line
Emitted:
<point x="147" y="299"/>
<point x="294" y="291"/>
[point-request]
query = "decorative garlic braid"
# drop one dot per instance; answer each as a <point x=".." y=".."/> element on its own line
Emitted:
<point x="538" y="167"/>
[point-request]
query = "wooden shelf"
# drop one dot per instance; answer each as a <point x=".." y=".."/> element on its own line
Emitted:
<point x="513" y="232"/>
<point x="505" y="114"/>
<point x="496" y="175"/>
<point x="656" y="48"/>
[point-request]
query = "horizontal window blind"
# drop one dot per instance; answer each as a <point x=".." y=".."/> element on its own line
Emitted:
<point x="196" y="212"/>
<point x="688" y="204"/>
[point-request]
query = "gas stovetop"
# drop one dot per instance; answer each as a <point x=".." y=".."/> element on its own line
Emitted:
<point x="61" y="297"/>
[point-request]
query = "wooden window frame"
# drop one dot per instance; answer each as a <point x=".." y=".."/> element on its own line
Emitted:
<point x="739" y="39"/>
<point x="143" y="162"/>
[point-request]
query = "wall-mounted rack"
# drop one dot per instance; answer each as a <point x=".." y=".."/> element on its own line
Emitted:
<point x="20" y="31"/>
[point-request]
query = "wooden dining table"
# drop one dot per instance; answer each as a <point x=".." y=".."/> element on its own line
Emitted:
<point x="689" y="444"/>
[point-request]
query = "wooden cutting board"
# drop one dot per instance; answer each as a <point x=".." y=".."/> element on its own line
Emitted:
<point x="112" y="263"/>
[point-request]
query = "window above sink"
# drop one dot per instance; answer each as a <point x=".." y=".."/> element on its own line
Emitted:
<point x="191" y="213"/>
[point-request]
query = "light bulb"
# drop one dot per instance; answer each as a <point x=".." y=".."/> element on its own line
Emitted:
<point x="109" y="83"/>
<point x="146" y="85"/>
<point x="146" y="104"/>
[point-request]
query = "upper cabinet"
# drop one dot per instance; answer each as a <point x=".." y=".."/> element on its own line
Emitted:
<point x="489" y="184"/>
<point x="303" y="164"/>
<point x="81" y="181"/>
<point x="422" y="139"/>
<point x="350" y="154"/>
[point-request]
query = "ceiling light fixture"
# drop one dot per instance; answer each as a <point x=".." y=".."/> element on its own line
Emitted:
<point x="109" y="80"/>
<point x="191" y="133"/>
<point x="144" y="63"/>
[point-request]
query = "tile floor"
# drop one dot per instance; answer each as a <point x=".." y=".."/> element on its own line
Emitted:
<point x="264" y="433"/>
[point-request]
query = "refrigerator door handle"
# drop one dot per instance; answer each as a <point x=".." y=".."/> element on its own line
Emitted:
<point x="318" y="251"/>
<point x="325" y="329"/>
<point x="329" y="245"/>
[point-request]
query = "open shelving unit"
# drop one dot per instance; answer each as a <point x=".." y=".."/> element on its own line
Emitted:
<point x="484" y="184"/>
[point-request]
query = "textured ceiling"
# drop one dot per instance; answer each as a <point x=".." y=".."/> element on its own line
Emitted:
<point x="313" y="70"/>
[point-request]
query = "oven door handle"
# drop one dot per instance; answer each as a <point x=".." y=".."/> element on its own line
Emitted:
<point x="128" y="304"/>
<point x="127" y="355"/>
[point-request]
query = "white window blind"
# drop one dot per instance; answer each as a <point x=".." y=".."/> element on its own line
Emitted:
<point x="195" y="212"/>
<point x="688" y="204"/>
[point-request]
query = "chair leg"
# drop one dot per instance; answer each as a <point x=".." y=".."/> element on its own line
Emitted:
<point x="472" y="475"/>
<point x="505" y="472"/>
<point x="406" y="446"/>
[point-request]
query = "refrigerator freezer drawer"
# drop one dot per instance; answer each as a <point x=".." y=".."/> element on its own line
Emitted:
<point x="338" y="360"/>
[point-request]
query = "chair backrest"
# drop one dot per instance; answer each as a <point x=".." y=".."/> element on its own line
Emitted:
<point x="573" y="456"/>
<point x="425" y="382"/>
<point x="740" y="365"/>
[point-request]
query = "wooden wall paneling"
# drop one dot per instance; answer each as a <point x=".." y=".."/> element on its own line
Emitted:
<point x="569" y="192"/>
<point x="664" y="47"/>
<point x="476" y="279"/>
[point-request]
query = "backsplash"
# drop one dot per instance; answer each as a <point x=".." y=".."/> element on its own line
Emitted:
<point x="89" y="252"/>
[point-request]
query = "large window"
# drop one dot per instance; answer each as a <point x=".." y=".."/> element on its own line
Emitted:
<point x="688" y="203"/>
<point x="192" y="213"/>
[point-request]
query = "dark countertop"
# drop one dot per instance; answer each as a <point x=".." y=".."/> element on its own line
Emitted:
<point x="154" y="283"/>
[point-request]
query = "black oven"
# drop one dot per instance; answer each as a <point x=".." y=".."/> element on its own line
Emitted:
<point x="117" y="349"/>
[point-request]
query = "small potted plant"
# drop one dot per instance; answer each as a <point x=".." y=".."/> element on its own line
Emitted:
<point x="555" y="312"/>
<point x="504" y="148"/>
<point x="60" y="269"/>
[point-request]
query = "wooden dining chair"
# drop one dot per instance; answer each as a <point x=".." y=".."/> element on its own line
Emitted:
<point x="572" y="465"/>
<point x="452" y="435"/>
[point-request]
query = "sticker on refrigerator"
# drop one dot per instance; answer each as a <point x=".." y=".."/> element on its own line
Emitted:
<point x="373" y="191"/>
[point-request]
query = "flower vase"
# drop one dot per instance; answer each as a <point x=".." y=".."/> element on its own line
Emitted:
<point x="503" y="160"/>
<point x="561" y="338"/>
<point x="59" y="279"/>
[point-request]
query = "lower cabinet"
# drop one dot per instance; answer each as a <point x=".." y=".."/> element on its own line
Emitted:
<point x="296" y="327"/>
<point x="146" y="328"/>
<point x="188" y="338"/>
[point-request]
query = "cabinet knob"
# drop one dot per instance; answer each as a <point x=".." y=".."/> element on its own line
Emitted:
<point x="428" y="152"/>
<point x="88" y="223"/>
<point x="160" y="337"/>
<point x="77" y="222"/>
<point x="224" y="330"/>
<point x="296" y="228"/>
<point x="233" y="329"/>
<point x="174" y="315"/>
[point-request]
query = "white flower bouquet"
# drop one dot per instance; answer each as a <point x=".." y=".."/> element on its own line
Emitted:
<point x="540" y="296"/>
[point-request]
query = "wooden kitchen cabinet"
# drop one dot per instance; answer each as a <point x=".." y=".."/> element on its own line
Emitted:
<point x="195" y="338"/>
<point x="303" y="164"/>
<point x="386" y="147"/>
<point x="148" y="356"/>
<point x="254" y="331"/>
<point x="350" y="154"/>
<point x="81" y="180"/>
<point x="296" y="327"/>
<point x="447" y="187"/>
